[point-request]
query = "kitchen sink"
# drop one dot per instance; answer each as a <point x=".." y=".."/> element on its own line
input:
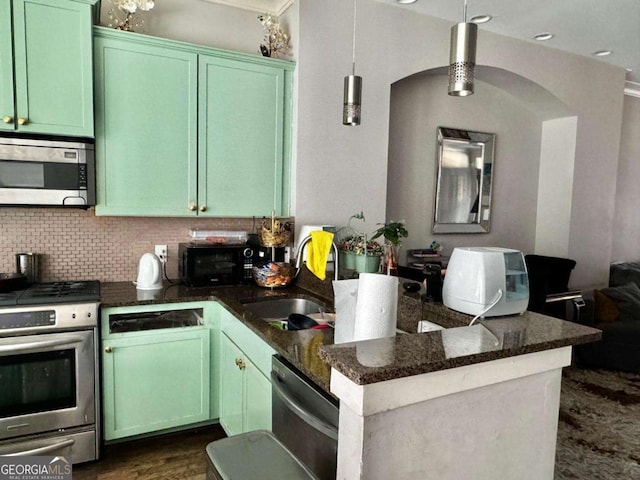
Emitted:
<point x="281" y="308"/>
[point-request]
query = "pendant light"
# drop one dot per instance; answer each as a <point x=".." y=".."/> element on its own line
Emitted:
<point x="462" y="57"/>
<point x="352" y="87"/>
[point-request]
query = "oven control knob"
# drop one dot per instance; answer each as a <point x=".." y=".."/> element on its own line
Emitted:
<point x="108" y="349"/>
<point x="248" y="252"/>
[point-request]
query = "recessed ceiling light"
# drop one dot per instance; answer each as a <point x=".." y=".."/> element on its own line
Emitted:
<point x="544" y="36"/>
<point x="481" y="19"/>
<point x="602" y="53"/>
<point x="406" y="2"/>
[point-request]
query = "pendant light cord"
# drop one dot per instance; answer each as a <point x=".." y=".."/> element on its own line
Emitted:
<point x="354" y="38"/>
<point x="465" y="11"/>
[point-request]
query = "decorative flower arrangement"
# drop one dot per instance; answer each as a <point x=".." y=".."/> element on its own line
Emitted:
<point x="276" y="42"/>
<point x="122" y="17"/>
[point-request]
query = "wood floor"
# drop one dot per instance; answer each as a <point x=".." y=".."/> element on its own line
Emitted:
<point x="170" y="457"/>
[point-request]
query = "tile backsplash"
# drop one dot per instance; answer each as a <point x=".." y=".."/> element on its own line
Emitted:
<point x="77" y="245"/>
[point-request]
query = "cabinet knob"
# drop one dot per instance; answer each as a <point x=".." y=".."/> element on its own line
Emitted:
<point x="193" y="207"/>
<point x="108" y="349"/>
<point x="22" y="121"/>
<point x="203" y="208"/>
<point x="240" y="363"/>
<point x="7" y="119"/>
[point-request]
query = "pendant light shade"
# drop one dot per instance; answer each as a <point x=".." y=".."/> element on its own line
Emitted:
<point x="352" y="98"/>
<point x="462" y="57"/>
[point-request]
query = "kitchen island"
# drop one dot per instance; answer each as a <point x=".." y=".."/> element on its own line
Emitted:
<point x="465" y="402"/>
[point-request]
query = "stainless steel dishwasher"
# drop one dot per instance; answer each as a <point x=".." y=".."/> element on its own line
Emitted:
<point x="304" y="419"/>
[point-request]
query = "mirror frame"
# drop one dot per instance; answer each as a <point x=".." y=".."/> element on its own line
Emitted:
<point x="451" y="139"/>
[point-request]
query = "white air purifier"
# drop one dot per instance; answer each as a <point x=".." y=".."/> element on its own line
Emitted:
<point x="486" y="281"/>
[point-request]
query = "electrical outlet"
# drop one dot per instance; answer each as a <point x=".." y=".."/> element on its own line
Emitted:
<point x="161" y="253"/>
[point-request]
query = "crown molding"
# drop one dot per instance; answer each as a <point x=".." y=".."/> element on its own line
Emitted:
<point x="274" y="7"/>
<point x="632" y="89"/>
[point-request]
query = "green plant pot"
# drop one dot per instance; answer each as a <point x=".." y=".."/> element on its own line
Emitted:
<point x="348" y="260"/>
<point x="367" y="263"/>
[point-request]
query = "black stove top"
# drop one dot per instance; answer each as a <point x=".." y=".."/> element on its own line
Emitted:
<point x="53" y="292"/>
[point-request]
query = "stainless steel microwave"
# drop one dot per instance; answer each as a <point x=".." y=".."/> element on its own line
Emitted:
<point x="37" y="172"/>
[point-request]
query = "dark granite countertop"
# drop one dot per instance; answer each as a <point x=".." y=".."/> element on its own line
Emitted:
<point x="314" y="353"/>
<point x="374" y="361"/>
<point x="299" y="347"/>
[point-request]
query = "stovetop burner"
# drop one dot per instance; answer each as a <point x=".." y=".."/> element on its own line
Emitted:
<point x="53" y="292"/>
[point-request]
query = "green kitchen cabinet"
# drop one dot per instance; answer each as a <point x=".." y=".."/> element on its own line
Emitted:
<point x="153" y="379"/>
<point x="241" y="137"/>
<point x="46" y="66"/>
<point x="186" y="130"/>
<point x="146" y="127"/>
<point x="245" y="388"/>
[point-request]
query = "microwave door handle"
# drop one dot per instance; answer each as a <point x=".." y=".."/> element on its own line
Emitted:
<point x="301" y="412"/>
<point x="45" y="449"/>
<point x="39" y="345"/>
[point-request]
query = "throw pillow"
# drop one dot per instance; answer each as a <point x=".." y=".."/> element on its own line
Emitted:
<point x="605" y="309"/>
<point x="627" y="299"/>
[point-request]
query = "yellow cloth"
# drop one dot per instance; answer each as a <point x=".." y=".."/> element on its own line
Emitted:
<point x="318" y="251"/>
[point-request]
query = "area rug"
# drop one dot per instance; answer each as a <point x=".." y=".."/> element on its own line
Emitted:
<point x="599" y="426"/>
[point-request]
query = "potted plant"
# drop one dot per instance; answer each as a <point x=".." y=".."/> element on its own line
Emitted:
<point x="354" y="256"/>
<point x="393" y="233"/>
<point x="367" y="259"/>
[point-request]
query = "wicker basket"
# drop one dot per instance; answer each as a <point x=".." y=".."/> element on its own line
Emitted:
<point x="274" y="233"/>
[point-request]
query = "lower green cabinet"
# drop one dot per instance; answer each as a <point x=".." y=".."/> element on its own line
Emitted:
<point x="154" y="379"/>
<point x="157" y="375"/>
<point x="245" y="388"/>
<point x="245" y="400"/>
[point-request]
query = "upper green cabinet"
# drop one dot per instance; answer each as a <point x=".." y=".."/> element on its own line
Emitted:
<point x="46" y="69"/>
<point x="146" y="127"/>
<point x="183" y="130"/>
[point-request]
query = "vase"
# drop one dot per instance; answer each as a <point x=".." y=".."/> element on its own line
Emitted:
<point x="390" y="259"/>
<point x="367" y="263"/>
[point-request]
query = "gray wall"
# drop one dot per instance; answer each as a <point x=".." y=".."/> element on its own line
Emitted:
<point x="341" y="170"/>
<point x="626" y="229"/>
<point x="419" y="105"/>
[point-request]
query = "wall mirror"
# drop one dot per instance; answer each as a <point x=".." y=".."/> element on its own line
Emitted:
<point x="463" y="181"/>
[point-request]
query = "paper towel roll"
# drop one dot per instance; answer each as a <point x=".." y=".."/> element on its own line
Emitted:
<point x="345" y="293"/>
<point x="376" y="306"/>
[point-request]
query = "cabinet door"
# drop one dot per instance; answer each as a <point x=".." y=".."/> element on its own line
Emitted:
<point x="155" y="381"/>
<point x="53" y="66"/>
<point x="240" y="137"/>
<point x="146" y="127"/>
<point x="257" y="399"/>
<point x="231" y="387"/>
<point x="6" y="68"/>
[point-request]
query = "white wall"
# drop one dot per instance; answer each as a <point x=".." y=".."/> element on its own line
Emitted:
<point x="342" y="170"/>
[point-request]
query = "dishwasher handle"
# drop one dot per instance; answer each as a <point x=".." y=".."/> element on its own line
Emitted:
<point x="299" y="410"/>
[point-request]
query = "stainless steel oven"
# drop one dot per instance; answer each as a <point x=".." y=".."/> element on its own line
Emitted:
<point x="48" y="386"/>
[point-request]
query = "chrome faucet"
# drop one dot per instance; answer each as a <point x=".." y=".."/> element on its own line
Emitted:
<point x="304" y="243"/>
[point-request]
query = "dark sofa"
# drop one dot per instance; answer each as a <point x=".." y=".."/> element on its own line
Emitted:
<point x="616" y="311"/>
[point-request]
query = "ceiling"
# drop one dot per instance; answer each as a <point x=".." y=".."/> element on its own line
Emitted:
<point x="578" y="26"/>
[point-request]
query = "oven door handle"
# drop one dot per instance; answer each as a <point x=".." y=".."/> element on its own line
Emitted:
<point x="18" y="347"/>
<point x="45" y="449"/>
<point x="304" y="415"/>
